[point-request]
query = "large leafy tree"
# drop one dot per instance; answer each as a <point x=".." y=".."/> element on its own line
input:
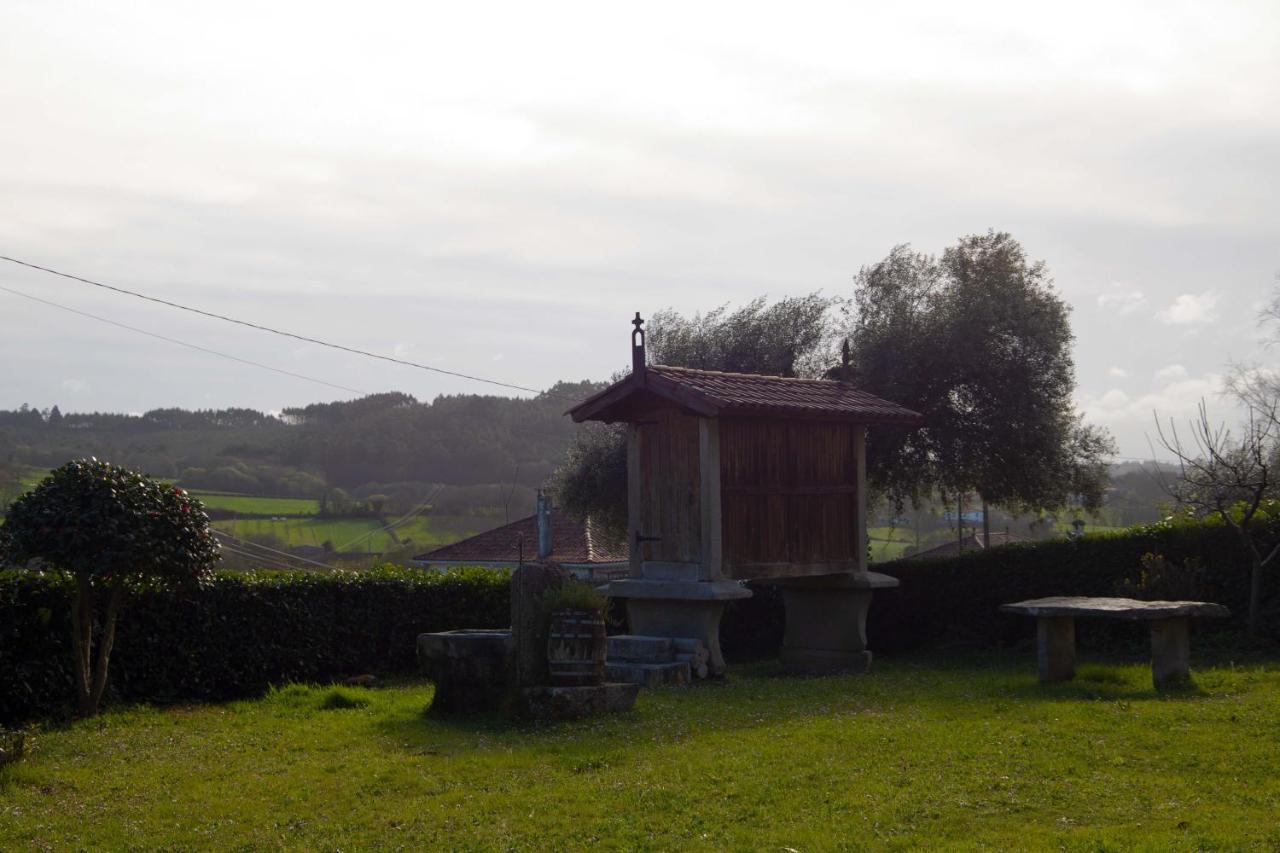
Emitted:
<point x="790" y="337"/>
<point x="107" y="528"/>
<point x="980" y="342"/>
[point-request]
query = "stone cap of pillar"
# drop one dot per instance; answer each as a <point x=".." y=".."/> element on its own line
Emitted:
<point x="675" y="589"/>
<point x="844" y="580"/>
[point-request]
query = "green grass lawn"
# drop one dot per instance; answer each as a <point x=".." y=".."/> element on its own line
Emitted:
<point x="966" y="752"/>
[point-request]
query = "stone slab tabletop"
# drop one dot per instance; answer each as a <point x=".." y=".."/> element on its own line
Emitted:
<point x="1115" y="608"/>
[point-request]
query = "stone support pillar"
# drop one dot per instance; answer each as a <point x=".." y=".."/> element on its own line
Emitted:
<point x="827" y="622"/>
<point x="1170" y="653"/>
<point x="678" y="608"/>
<point x="1056" y="648"/>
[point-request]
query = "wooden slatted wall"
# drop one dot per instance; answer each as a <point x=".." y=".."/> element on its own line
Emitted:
<point x="670" y="491"/>
<point x="789" y="496"/>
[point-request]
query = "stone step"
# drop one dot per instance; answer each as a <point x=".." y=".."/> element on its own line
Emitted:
<point x="688" y="645"/>
<point x="697" y="663"/>
<point x="638" y="649"/>
<point x="648" y="674"/>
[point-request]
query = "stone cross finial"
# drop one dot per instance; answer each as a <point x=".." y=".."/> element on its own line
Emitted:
<point x="637" y="345"/>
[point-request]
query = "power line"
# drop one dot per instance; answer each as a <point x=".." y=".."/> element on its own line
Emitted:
<point x="270" y="329"/>
<point x="418" y="509"/>
<point x="261" y="559"/>
<point x="272" y="550"/>
<point x="181" y="343"/>
<point x="274" y="562"/>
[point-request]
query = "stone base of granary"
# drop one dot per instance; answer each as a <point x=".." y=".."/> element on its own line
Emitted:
<point x="679" y="609"/>
<point x="826" y="628"/>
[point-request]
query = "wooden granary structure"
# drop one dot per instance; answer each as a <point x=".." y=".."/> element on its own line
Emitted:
<point x="736" y="477"/>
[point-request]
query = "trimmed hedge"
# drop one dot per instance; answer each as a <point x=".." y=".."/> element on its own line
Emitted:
<point x="238" y="634"/>
<point x="244" y="632"/>
<point x="957" y="600"/>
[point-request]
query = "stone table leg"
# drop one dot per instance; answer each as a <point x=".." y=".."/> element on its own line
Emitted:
<point x="1170" y="653"/>
<point x="1056" y="648"/>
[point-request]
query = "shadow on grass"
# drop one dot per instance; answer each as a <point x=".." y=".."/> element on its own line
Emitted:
<point x="1101" y="684"/>
<point x="429" y="732"/>
<point x="998" y="674"/>
<point x="759" y="695"/>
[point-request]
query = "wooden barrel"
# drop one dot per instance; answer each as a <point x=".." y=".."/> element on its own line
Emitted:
<point x="576" y="647"/>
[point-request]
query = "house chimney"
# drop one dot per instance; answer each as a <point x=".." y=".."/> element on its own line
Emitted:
<point x="544" y="525"/>
<point x="637" y="345"/>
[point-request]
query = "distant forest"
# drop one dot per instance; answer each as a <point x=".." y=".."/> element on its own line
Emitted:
<point x="386" y="443"/>
<point x="489" y="453"/>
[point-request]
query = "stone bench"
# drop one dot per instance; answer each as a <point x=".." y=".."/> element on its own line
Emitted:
<point x="1170" y="643"/>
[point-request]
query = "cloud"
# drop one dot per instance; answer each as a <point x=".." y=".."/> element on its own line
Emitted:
<point x="1122" y="301"/>
<point x="1113" y="399"/>
<point x="1171" y="373"/>
<point x="1191" y="310"/>
<point x="75" y="386"/>
<point x="1117" y="372"/>
<point x="1132" y="419"/>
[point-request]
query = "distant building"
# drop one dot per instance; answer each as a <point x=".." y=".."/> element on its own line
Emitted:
<point x="571" y="545"/>
<point x="973" y="542"/>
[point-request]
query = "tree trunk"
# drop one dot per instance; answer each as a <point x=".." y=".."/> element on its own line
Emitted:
<point x="82" y="642"/>
<point x="986" y="526"/>
<point x="1256" y="564"/>
<point x="1255" y="596"/>
<point x="107" y="640"/>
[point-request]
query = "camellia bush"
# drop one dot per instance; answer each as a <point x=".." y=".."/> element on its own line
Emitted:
<point x="108" y="529"/>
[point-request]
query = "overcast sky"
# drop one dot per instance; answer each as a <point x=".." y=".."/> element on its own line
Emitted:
<point x="494" y="189"/>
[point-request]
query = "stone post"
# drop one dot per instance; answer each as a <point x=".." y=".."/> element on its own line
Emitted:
<point x="529" y="584"/>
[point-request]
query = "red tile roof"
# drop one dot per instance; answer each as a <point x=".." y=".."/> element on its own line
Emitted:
<point x="572" y="542"/>
<point x="713" y="393"/>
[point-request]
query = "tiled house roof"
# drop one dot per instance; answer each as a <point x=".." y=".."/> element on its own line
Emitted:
<point x="572" y="542"/>
<point x="712" y="393"/>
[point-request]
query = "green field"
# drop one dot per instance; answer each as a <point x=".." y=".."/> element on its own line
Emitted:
<point x="29" y="478"/>
<point x="926" y="752"/>
<point x="296" y="524"/>
<point x="356" y="534"/>
<point x="887" y="543"/>
<point x="256" y="505"/>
